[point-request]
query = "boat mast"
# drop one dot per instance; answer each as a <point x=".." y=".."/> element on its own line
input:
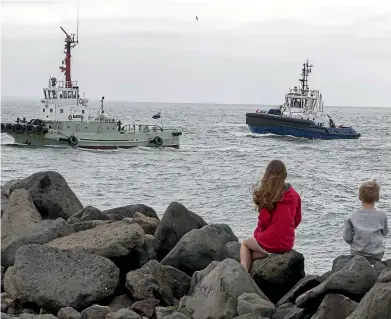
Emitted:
<point x="305" y="71"/>
<point x="70" y="43"/>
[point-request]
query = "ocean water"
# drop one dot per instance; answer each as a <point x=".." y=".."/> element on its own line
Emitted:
<point x="218" y="162"/>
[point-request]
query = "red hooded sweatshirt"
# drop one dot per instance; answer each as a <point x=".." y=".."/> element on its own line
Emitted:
<point x="276" y="229"/>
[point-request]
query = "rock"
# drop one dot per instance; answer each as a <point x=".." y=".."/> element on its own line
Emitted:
<point x="169" y="313"/>
<point x="51" y="194"/>
<point x="7" y="302"/>
<point x="68" y="313"/>
<point x="199" y="247"/>
<point x="325" y="276"/>
<point x="86" y="214"/>
<point x="201" y="274"/>
<point x="148" y="224"/>
<point x="303" y="285"/>
<point x="176" y="222"/>
<point x="340" y="262"/>
<point x="376" y="304"/>
<point x="181" y="288"/>
<point x="354" y="280"/>
<point x="230" y="250"/>
<point x="80" y="226"/>
<point x="152" y="281"/>
<point x="388" y="263"/>
<point x="146" y="307"/>
<point x="5" y="316"/>
<point x="335" y="306"/>
<point x="82" y="279"/>
<point x="379" y="266"/>
<point x="146" y="252"/>
<point x="123" y="314"/>
<point x="45" y="316"/>
<point x="216" y="295"/>
<point x="19" y="215"/>
<point x="251" y="303"/>
<point x="2" y="278"/>
<point x="249" y="316"/>
<point x="112" y="240"/>
<point x="95" y="312"/>
<point x="119" y="302"/>
<point x="278" y="273"/>
<point x="289" y="311"/>
<point x="5" y="189"/>
<point x="128" y="211"/>
<point x="38" y="233"/>
<point x="385" y="276"/>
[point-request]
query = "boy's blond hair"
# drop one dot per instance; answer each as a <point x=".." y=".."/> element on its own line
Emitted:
<point x="369" y="192"/>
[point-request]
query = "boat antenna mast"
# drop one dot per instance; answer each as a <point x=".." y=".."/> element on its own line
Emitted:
<point x="70" y="43"/>
<point x="305" y="71"/>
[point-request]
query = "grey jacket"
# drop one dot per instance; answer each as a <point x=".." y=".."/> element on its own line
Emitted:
<point x="364" y="231"/>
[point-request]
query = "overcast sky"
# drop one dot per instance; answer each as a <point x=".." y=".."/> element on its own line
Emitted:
<point x="239" y="51"/>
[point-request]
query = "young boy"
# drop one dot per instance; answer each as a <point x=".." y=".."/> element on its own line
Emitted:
<point x="365" y="229"/>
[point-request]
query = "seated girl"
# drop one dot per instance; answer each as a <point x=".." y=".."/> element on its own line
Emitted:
<point x="279" y="208"/>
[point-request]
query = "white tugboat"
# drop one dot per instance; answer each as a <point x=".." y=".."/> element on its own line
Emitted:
<point x="65" y="119"/>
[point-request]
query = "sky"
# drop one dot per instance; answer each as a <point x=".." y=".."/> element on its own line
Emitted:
<point x="238" y="51"/>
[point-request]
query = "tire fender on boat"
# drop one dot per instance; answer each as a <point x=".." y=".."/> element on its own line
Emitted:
<point x="70" y="117"/>
<point x="38" y="129"/>
<point x="18" y="128"/>
<point x="9" y="127"/>
<point x="72" y="140"/>
<point x="29" y="128"/>
<point x="158" y="141"/>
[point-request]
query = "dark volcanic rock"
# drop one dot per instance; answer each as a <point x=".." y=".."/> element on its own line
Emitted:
<point x="86" y="214"/>
<point x="152" y="281"/>
<point x="289" y="311"/>
<point x="146" y="307"/>
<point x="51" y="194"/>
<point x="119" y="302"/>
<point x="230" y="250"/>
<point x="122" y="212"/>
<point x="278" y="273"/>
<point x="88" y="224"/>
<point x="68" y="313"/>
<point x="182" y="288"/>
<point x="123" y="314"/>
<point x="353" y="281"/>
<point x="376" y="304"/>
<point x="251" y="303"/>
<point x="385" y="276"/>
<point x="2" y="277"/>
<point x="200" y="274"/>
<point x="38" y="233"/>
<point x="199" y="247"/>
<point x="335" y="306"/>
<point x="148" y="224"/>
<point x="340" y="262"/>
<point x="169" y="313"/>
<point x="54" y="279"/>
<point x="146" y="252"/>
<point x="216" y="295"/>
<point x="176" y="222"/>
<point x="95" y="312"/>
<point x="303" y="285"/>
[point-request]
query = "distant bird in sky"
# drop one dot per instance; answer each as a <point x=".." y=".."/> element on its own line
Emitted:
<point x="196" y="17"/>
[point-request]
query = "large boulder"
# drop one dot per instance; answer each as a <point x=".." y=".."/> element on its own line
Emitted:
<point x="95" y="312"/>
<point x="376" y="304"/>
<point x="199" y="247"/>
<point x="86" y="214"/>
<point x="201" y="274"/>
<point x="88" y="224"/>
<point x="230" y="250"/>
<point x="122" y="212"/>
<point x="216" y="295"/>
<point x="19" y="215"/>
<point x="278" y="273"/>
<point x="251" y="303"/>
<point x="111" y="240"/>
<point x="353" y="281"/>
<point x="51" y="194"/>
<point x="177" y="221"/>
<point x="53" y="279"/>
<point x="290" y="311"/>
<point x="335" y="306"/>
<point x="385" y="276"/>
<point x="153" y="280"/>
<point x="146" y="307"/>
<point x="148" y="224"/>
<point x="38" y="233"/>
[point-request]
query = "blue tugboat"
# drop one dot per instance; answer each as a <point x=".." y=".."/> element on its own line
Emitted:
<point x="301" y="116"/>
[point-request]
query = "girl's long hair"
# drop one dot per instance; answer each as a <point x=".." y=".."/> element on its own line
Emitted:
<point x="272" y="186"/>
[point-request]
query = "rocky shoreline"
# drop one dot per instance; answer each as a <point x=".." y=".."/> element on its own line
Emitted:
<point x="62" y="260"/>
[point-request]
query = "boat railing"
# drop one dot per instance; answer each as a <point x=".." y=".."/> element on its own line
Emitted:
<point x="66" y="84"/>
<point x="144" y="128"/>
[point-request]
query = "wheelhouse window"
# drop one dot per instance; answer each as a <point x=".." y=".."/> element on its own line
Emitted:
<point x="54" y="94"/>
<point x="69" y="94"/>
<point x="73" y="94"/>
<point x="51" y="110"/>
<point x="43" y="110"/>
<point x="61" y="110"/>
<point x="60" y="94"/>
<point x="82" y="111"/>
<point x="45" y="93"/>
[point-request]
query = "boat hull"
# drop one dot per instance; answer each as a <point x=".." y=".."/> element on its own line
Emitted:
<point x="283" y="125"/>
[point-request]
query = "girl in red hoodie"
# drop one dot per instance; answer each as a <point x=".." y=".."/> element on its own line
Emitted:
<point x="279" y="207"/>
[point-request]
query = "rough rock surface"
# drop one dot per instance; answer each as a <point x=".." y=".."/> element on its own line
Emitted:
<point x="38" y="233"/>
<point x="200" y="274"/>
<point x="111" y="240"/>
<point x="199" y="247"/>
<point x="216" y="295"/>
<point x="385" y="276"/>
<point x="86" y="214"/>
<point x="152" y="281"/>
<point x="51" y="194"/>
<point x="122" y="212"/>
<point x="88" y="224"/>
<point x="54" y="279"/>
<point x="148" y="224"/>
<point x="278" y="273"/>
<point x="354" y="280"/>
<point x="230" y="250"/>
<point x="376" y="304"/>
<point x="68" y="313"/>
<point x="145" y="307"/>
<point x="176" y="222"/>
<point x="123" y="314"/>
<point x="95" y="312"/>
<point x="335" y="306"/>
<point x="289" y="311"/>
<point x="251" y="303"/>
<point x="119" y="302"/>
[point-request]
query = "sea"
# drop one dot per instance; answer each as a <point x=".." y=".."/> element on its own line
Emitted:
<point x="216" y="166"/>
